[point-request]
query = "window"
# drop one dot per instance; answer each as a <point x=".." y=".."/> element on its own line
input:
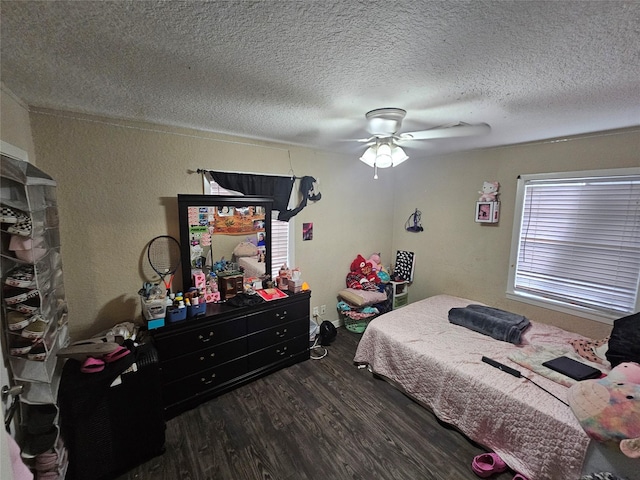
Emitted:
<point x="576" y="243"/>
<point x="280" y="231"/>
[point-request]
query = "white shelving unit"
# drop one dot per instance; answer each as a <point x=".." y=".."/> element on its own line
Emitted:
<point x="30" y="241"/>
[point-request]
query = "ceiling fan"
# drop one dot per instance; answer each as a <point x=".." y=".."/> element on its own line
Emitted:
<point x="384" y="148"/>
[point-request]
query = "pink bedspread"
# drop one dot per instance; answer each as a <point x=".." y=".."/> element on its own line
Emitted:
<point x="439" y="364"/>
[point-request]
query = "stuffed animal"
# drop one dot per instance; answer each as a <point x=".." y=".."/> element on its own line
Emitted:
<point x="608" y="409"/>
<point x="361" y="276"/>
<point x="489" y="192"/>
<point x="374" y="260"/>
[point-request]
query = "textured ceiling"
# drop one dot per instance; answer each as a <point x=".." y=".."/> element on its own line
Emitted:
<point x="305" y="72"/>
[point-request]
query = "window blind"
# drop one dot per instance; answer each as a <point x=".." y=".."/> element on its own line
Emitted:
<point x="580" y="242"/>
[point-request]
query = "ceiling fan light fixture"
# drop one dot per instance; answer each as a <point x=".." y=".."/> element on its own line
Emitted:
<point x="397" y="155"/>
<point x="383" y="156"/>
<point x="369" y="156"/>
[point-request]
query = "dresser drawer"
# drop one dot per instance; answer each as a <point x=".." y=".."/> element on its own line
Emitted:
<point x="278" y="334"/>
<point x="281" y="351"/>
<point x="191" y="363"/>
<point x="277" y="316"/>
<point x="206" y="380"/>
<point x="175" y="345"/>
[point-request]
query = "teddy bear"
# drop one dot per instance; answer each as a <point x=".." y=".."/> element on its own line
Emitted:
<point x="608" y="409"/>
<point x="361" y="275"/>
<point x="489" y="192"/>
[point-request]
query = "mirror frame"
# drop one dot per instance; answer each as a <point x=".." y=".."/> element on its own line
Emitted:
<point x="186" y="201"/>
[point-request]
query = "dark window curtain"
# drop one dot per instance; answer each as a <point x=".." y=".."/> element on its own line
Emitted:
<point x="267" y="185"/>
<point x="271" y="186"/>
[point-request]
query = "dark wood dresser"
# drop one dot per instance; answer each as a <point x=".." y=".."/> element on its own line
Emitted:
<point x="207" y="356"/>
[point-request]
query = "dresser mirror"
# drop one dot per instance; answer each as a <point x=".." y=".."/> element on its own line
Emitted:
<point x="216" y="229"/>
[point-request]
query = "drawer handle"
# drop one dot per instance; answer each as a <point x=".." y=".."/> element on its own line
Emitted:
<point x="205" y="339"/>
<point x="284" y="314"/>
<point x="282" y="352"/>
<point x="284" y="332"/>
<point x="208" y="381"/>
<point x="211" y="356"/>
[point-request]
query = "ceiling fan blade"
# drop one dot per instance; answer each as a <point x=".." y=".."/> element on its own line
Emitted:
<point x="459" y="129"/>
<point x="360" y="140"/>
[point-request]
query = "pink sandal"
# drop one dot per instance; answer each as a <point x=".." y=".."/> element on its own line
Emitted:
<point x="117" y="354"/>
<point x="487" y="464"/>
<point x="92" y="365"/>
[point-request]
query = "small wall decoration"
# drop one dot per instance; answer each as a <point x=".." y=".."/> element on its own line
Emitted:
<point x="307" y="231"/>
<point x="405" y="261"/>
<point x="488" y="206"/>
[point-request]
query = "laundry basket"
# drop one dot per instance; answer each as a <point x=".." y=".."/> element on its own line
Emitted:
<point x="355" y="325"/>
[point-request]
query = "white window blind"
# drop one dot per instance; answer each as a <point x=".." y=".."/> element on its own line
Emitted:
<point x="279" y="230"/>
<point x="578" y="243"/>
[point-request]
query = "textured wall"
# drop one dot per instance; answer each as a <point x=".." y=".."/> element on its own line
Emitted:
<point x="118" y="183"/>
<point x="457" y="256"/>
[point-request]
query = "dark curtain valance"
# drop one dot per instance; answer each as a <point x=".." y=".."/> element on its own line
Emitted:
<point x="279" y="188"/>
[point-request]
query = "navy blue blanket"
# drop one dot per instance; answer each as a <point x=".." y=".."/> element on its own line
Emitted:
<point x="496" y="323"/>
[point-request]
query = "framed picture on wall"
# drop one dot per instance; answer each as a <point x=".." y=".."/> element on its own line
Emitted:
<point x="487" y="212"/>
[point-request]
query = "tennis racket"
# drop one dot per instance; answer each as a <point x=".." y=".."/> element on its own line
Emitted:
<point x="164" y="257"/>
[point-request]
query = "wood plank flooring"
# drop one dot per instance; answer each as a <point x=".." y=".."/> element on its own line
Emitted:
<point x="318" y="420"/>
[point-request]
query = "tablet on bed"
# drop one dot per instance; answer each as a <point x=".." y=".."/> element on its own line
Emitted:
<point x="572" y="368"/>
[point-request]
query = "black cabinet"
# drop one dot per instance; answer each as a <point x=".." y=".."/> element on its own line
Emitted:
<point x="228" y="347"/>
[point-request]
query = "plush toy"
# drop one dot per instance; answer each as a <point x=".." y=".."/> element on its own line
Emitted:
<point x="489" y="192"/>
<point x="361" y="275"/>
<point x="374" y="260"/>
<point x="608" y="409"/>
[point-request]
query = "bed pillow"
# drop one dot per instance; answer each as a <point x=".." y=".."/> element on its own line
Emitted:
<point x="245" y="249"/>
<point x="592" y="350"/>
<point x="624" y="343"/>
<point x="361" y="298"/>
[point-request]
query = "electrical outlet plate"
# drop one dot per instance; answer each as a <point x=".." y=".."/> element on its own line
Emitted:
<point x="315" y="311"/>
<point x="323" y="309"/>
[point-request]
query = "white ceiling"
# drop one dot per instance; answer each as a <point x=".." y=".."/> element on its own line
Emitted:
<point x="305" y="72"/>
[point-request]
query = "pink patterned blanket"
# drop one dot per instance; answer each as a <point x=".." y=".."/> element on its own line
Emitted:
<point x="439" y="364"/>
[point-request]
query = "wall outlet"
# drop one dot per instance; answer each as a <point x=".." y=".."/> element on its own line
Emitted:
<point x="323" y="309"/>
<point x="315" y="311"/>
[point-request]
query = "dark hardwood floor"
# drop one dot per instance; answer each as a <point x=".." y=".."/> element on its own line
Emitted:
<point x="321" y="419"/>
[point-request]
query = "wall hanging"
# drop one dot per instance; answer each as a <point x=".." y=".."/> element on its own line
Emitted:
<point x="488" y="206"/>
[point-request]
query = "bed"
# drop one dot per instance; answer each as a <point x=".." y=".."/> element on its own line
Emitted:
<point x="252" y="266"/>
<point x="439" y="365"/>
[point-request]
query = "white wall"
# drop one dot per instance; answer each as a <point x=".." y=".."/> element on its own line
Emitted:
<point x="117" y="188"/>
<point x="457" y="256"/>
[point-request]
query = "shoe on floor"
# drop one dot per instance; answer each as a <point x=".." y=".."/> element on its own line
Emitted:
<point x="487" y="464"/>
<point x="35" y="330"/>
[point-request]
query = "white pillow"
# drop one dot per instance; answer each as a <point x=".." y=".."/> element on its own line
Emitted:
<point x="245" y="249"/>
<point x="361" y="298"/>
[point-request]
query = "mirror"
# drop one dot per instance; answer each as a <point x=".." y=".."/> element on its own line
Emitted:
<point x="217" y="229"/>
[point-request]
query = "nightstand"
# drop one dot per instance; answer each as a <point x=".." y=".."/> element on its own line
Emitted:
<point x="400" y="294"/>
